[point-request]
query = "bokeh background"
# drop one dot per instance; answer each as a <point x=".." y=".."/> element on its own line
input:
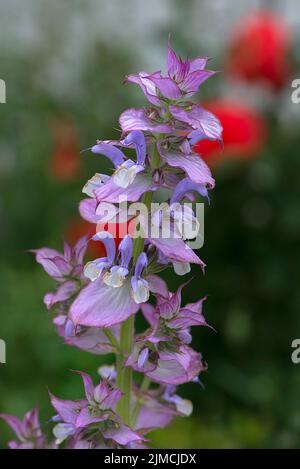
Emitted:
<point x="63" y="63"/>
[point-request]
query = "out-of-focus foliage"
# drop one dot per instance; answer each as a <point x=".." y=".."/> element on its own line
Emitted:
<point x="252" y="248"/>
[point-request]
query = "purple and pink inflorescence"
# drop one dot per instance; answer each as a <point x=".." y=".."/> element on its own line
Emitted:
<point x="96" y="300"/>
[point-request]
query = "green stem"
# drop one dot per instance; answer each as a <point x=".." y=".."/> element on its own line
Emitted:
<point x="124" y="374"/>
<point x="111" y="338"/>
<point x="155" y="163"/>
<point x="144" y="386"/>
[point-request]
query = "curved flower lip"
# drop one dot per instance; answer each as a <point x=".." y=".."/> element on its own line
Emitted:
<point x="186" y="186"/>
<point x="154" y="414"/>
<point x="99" y="305"/>
<point x="126" y="169"/>
<point x="177" y="368"/>
<point x="191" y="83"/>
<point x="110" y="246"/>
<point x="90" y="339"/>
<point x="110" y="151"/>
<point x="110" y="192"/>
<point x="167" y="87"/>
<point x="143" y="79"/>
<point x="157" y="285"/>
<point x="194" y="167"/>
<point x="92" y="184"/>
<point x="175" y="249"/>
<point x="159" y="407"/>
<point x="87" y="210"/>
<point x="137" y="119"/>
<point x="170" y="367"/>
<point x="204" y="122"/>
<point x="65" y="291"/>
<point x="137" y="139"/>
<point x="53" y="262"/>
<point x="123" y="435"/>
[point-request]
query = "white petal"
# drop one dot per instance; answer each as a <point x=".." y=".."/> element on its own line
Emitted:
<point x="96" y="181"/>
<point x="91" y="271"/>
<point x="186" y="223"/>
<point x="181" y="268"/>
<point x="123" y="177"/>
<point x="61" y="431"/>
<point x="184" y="406"/>
<point x="115" y="278"/>
<point x="141" y="292"/>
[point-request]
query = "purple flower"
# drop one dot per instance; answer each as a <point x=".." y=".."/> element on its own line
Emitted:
<point x="70" y="266"/>
<point x="154" y="414"/>
<point x="145" y="120"/>
<point x="162" y="352"/>
<point x="66" y="268"/>
<point x="183" y="80"/>
<point x="188" y="74"/>
<point x="164" y="363"/>
<point x="168" y="240"/>
<point x="140" y="286"/>
<point x="194" y="167"/>
<point x="146" y="83"/>
<point x="187" y="186"/>
<point x="126" y="176"/>
<point x="171" y="321"/>
<point x="92" y="422"/>
<point x="113" y="294"/>
<point x="111" y="192"/>
<point x="158" y="408"/>
<point x="126" y="169"/>
<point x="110" y="151"/>
<point x="88" y="339"/>
<point x="93" y="300"/>
<point x="28" y="431"/>
<point x="204" y="124"/>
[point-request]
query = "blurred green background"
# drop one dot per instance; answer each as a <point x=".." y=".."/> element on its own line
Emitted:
<point x="63" y="64"/>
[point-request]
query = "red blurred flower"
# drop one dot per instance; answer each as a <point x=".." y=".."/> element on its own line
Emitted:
<point x="244" y="132"/>
<point x="65" y="161"/>
<point x="78" y="228"/>
<point x="260" y="49"/>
